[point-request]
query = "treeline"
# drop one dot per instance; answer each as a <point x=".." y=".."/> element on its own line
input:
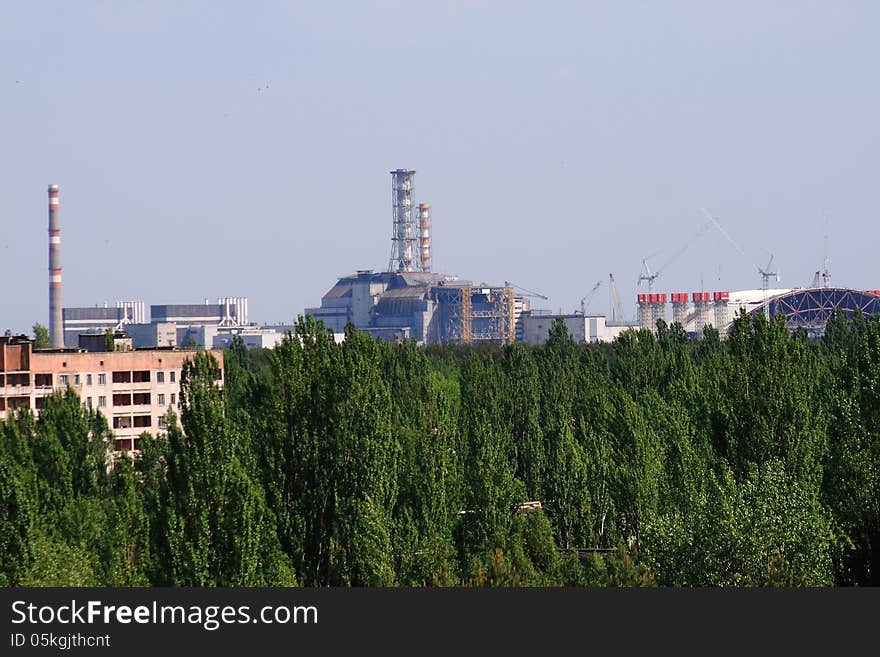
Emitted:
<point x="656" y="460"/>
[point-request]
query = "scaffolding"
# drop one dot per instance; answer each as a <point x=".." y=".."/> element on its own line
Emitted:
<point x="472" y="315"/>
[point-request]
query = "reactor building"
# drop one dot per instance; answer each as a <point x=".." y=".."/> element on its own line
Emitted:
<point x="408" y="300"/>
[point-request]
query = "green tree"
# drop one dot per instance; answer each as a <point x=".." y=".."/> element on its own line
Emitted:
<point x="41" y="337"/>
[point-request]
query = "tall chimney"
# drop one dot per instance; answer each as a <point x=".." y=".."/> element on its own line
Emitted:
<point x="425" y="228"/>
<point x="56" y="327"/>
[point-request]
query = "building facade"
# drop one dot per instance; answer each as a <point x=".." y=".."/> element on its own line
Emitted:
<point x="427" y="307"/>
<point x="582" y="328"/>
<point x="133" y="389"/>
<point x="99" y="319"/>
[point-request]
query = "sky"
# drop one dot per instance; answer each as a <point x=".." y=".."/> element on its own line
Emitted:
<point x="209" y="149"/>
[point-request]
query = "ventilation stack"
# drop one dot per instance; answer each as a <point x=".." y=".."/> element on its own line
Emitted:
<point x="404" y="238"/>
<point x="702" y="311"/>
<point x="56" y="324"/>
<point x="722" y="319"/>
<point x="680" y="308"/>
<point x="425" y="229"/>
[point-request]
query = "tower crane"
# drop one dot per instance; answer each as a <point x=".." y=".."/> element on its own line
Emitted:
<point x="529" y="293"/>
<point x="765" y="272"/>
<point x="649" y="276"/>
<point x="585" y="302"/>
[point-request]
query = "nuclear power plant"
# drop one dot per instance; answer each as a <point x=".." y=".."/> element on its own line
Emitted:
<point x="408" y="300"/>
<point x="128" y="365"/>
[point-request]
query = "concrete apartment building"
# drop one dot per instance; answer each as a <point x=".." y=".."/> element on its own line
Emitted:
<point x="133" y="389"/>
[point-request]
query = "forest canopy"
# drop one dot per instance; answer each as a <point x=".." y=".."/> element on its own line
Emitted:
<point x="654" y="460"/>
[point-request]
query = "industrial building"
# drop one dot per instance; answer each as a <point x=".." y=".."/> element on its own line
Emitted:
<point x="99" y="318"/>
<point x="582" y="328"/>
<point x="180" y="325"/>
<point x="133" y="389"/>
<point x="409" y="301"/>
<point x="807" y="308"/>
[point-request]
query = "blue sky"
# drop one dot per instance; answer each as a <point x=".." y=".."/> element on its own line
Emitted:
<point x="243" y="149"/>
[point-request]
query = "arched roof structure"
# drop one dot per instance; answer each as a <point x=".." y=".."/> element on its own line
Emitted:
<point x="812" y="308"/>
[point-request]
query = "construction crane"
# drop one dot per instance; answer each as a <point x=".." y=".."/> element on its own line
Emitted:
<point x="765" y="272"/>
<point x="616" y="307"/>
<point x="529" y="293"/>
<point x="585" y="302"/>
<point x="649" y="277"/>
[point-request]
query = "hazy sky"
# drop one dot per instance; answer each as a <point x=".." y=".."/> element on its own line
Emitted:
<point x="243" y="148"/>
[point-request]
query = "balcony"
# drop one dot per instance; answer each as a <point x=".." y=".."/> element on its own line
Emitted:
<point x="16" y="391"/>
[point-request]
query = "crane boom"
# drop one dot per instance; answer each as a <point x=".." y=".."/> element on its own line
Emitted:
<point x="586" y="300"/>
<point x="530" y="293"/>
<point x="617" y="307"/>
<point x="765" y="272"/>
<point x="650" y="276"/>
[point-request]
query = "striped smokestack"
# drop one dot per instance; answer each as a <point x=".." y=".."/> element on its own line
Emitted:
<point x="425" y="235"/>
<point x="56" y="328"/>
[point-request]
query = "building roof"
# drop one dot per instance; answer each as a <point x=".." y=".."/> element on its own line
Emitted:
<point x="811" y="308"/>
<point x="413" y="293"/>
<point x="745" y="297"/>
<point x="341" y="290"/>
<point x="411" y="278"/>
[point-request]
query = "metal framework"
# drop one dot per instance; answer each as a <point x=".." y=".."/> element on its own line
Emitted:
<point x="812" y="308"/>
<point x="492" y="315"/>
<point x="454" y="313"/>
<point x="405" y="255"/>
<point x="469" y="315"/>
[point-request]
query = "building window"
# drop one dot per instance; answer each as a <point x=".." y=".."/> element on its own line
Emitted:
<point x="160" y="399"/>
<point x="173" y="376"/>
<point x="102" y="402"/>
<point x="76" y="379"/>
<point x="88" y="379"/>
<point x="160" y="377"/>
<point x="172" y="398"/>
<point x="122" y="377"/>
<point x="161" y="422"/>
<point x="63" y="380"/>
<point x="102" y="379"/>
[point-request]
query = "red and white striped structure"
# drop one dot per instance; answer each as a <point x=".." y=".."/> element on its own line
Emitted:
<point x="56" y="326"/>
<point x="425" y="229"/>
